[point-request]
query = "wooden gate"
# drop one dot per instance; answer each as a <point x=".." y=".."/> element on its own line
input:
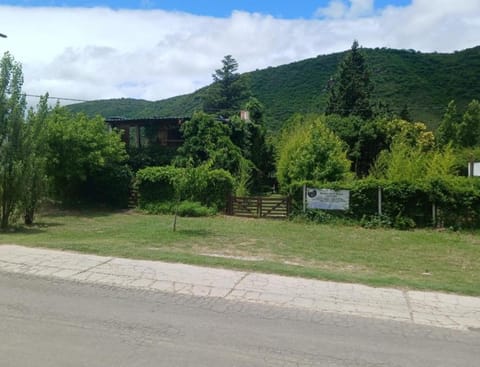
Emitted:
<point x="259" y="206"/>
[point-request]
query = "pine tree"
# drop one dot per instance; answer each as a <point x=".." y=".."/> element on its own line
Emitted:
<point x="228" y="91"/>
<point x="350" y="95"/>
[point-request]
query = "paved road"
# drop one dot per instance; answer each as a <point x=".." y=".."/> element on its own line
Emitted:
<point x="421" y="308"/>
<point x="56" y="322"/>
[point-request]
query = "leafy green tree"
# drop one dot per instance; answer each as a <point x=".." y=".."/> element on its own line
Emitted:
<point x="228" y="91"/>
<point x="207" y="139"/>
<point x="468" y="132"/>
<point x="85" y="160"/>
<point x="447" y="130"/>
<point x="35" y="179"/>
<point x="365" y="140"/>
<point x="413" y="134"/>
<point x="12" y="134"/>
<point x="351" y="92"/>
<point x="404" y="162"/>
<point x="309" y="151"/>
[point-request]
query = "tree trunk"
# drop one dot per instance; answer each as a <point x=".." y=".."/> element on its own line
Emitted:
<point x="29" y="216"/>
<point x="175" y="218"/>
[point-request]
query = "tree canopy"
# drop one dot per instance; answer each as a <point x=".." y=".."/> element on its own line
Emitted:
<point x="85" y="161"/>
<point x="309" y="151"/>
<point x="351" y="91"/>
<point x="228" y="91"/>
<point x="13" y="149"/>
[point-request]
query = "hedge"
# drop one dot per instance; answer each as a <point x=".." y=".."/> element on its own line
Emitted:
<point x="457" y="200"/>
<point x="209" y="187"/>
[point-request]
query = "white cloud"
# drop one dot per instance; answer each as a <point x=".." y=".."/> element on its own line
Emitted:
<point x="152" y="54"/>
<point x="337" y="9"/>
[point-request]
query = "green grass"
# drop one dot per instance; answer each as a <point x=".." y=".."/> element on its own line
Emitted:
<point x="420" y="259"/>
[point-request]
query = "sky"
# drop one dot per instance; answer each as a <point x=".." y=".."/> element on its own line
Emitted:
<point x="155" y="49"/>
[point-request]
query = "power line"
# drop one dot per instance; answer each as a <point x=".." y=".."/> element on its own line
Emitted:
<point x="58" y="98"/>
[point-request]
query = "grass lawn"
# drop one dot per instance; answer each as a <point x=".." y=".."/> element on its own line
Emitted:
<point x="421" y="259"/>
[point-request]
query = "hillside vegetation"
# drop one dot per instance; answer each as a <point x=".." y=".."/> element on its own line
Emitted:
<point x="425" y="82"/>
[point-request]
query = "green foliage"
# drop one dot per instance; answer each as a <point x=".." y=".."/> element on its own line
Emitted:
<point x="207" y="186"/>
<point x="184" y="209"/>
<point x="403" y="162"/>
<point x="365" y="139"/>
<point x="351" y="92"/>
<point x="35" y="178"/>
<point x="409" y="204"/>
<point x="207" y="139"/>
<point x="375" y="221"/>
<point x="151" y="155"/>
<point x="427" y="81"/>
<point x="309" y="150"/>
<point x="243" y="178"/>
<point x="228" y="91"/>
<point x="447" y="130"/>
<point x="314" y="216"/>
<point x="154" y="184"/>
<point x="468" y="131"/>
<point x="13" y="149"/>
<point x="82" y="154"/>
<point x="194" y="209"/>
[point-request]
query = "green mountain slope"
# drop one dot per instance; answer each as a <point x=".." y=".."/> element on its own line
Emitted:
<point x="425" y="82"/>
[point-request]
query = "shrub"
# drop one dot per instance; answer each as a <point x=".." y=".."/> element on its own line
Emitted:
<point x="209" y="187"/>
<point x="110" y="186"/>
<point x="406" y="205"/>
<point x="154" y="184"/>
<point x="185" y="209"/>
<point x="194" y="209"/>
<point x="375" y="221"/>
<point x="165" y="207"/>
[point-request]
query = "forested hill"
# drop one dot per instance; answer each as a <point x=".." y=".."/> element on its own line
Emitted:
<point x="425" y="82"/>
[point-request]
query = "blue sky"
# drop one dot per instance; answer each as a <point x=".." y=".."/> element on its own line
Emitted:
<point x="288" y="9"/>
<point x="147" y="49"/>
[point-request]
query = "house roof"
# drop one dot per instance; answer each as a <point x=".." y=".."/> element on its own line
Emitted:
<point x="116" y="120"/>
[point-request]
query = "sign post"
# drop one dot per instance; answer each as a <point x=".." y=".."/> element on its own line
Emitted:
<point x="327" y="199"/>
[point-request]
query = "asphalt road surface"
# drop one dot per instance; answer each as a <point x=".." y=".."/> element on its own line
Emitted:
<point x="52" y="322"/>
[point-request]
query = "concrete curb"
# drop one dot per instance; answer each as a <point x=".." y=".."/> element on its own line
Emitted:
<point x="423" y="308"/>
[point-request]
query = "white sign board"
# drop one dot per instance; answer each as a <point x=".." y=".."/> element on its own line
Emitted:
<point x="327" y="199"/>
<point x="476" y="169"/>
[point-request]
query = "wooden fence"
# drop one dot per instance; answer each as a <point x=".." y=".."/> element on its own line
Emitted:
<point x="259" y="206"/>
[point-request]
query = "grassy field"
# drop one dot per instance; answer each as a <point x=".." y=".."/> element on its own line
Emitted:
<point x="421" y="259"/>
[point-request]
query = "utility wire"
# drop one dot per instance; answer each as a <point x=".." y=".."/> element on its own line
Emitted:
<point x="58" y="98"/>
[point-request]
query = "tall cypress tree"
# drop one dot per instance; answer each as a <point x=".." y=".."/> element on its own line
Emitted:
<point x="12" y="134"/>
<point x="447" y="130"/>
<point x="351" y="92"/>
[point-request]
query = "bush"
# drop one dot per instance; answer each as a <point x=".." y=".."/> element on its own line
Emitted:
<point x="155" y="184"/>
<point x="165" y="207"/>
<point x="376" y="221"/>
<point x="219" y="187"/>
<point x="194" y="209"/>
<point x="185" y="209"/>
<point x="406" y="205"/>
<point x="109" y="186"/>
<point x="208" y="187"/>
